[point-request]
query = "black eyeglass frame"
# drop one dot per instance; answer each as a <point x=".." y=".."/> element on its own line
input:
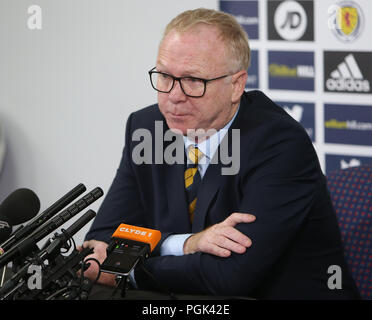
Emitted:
<point x="205" y="81"/>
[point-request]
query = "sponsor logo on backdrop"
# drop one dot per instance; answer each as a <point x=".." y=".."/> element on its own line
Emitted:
<point x="291" y="70"/>
<point x="291" y="20"/>
<point x="246" y="13"/>
<point x="349" y="72"/>
<point x="346" y="20"/>
<point x="253" y="74"/>
<point x="337" y="162"/>
<point x="348" y="124"/>
<point x="303" y="113"/>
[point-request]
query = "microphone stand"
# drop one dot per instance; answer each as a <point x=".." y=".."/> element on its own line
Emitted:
<point x="57" y="279"/>
<point x="59" y="270"/>
<point x="122" y="281"/>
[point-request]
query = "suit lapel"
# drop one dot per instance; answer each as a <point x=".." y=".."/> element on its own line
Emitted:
<point x="173" y="175"/>
<point x="210" y="185"/>
<point x="212" y="179"/>
<point x="176" y="195"/>
<point x="208" y="188"/>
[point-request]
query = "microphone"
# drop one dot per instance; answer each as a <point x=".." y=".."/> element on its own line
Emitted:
<point x="24" y="231"/>
<point x="60" y="239"/>
<point x="128" y="246"/>
<point x="26" y="246"/>
<point x="51" y="251"/>
<point x="20" y="206"/>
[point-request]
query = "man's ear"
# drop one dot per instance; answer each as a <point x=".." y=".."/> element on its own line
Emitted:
<point x="238" y="81"/>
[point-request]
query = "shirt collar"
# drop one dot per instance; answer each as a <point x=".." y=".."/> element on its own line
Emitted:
<point x="209" y="146"/>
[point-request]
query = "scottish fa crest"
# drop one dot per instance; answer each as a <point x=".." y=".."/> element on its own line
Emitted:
<point x="346" y="20"/>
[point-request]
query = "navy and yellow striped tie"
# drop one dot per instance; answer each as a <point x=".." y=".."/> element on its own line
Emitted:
<point x="192" y="178"/>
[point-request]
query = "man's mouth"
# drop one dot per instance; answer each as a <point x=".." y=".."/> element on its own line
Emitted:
<point x="177" y="115"/>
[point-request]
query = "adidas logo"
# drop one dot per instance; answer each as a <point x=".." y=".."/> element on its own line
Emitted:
<point x="348" y="77"/>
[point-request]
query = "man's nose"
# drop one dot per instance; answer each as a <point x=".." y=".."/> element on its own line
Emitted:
<point x="177" y="94"/>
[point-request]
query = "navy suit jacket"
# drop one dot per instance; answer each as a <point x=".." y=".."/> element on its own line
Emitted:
<point x="295" y="237"/>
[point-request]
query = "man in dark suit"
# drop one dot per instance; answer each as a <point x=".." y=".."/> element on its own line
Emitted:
<point x="261" y="225"/>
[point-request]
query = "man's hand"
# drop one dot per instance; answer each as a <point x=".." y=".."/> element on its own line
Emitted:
<point x="99" y="253"/>
<point x="222" y="238"/>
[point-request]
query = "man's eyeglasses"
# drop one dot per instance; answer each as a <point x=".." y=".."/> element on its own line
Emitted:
<point x="191" y="86"/>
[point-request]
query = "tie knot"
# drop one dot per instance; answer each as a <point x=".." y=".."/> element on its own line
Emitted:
<point x="194" y="154"/>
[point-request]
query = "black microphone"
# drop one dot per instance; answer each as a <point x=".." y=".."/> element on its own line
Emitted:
<point x="53" y="248"/>
<point x="23" y="232"/>
<point x="60" y="239"/>
<point x="5" y="228"/>
<point x="20" y="206"/>
<point x="25" y="247"/>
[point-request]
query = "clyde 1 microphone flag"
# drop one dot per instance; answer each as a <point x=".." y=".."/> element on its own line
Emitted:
<point x="129" y="245"/>
<point x="140" y="234"/>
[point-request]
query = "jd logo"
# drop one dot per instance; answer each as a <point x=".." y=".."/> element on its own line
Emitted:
<point x="34" y="281"/>
<point x="335" y="280"/>
<point x="291" y="20"/>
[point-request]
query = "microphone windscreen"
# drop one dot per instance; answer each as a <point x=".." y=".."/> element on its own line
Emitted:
<point x="5" y="228"/>
<point x="20" y="206"/>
